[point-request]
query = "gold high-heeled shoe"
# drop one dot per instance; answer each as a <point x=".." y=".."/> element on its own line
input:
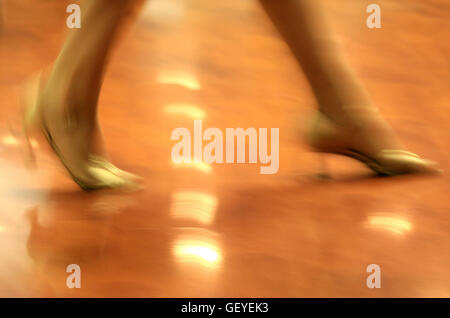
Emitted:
<point x="326" y="136"/>
<point x="95" y="173"/>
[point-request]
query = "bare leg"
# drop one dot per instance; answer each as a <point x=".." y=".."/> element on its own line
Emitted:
<point x="68" y="100"/>
<point x="74" y="84"/>
<point x="340" y="95"/>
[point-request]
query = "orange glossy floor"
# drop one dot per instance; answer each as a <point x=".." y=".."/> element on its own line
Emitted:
<point x="226" y="230"/>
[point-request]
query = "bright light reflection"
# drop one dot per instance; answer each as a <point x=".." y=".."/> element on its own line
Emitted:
<point x="197" y="206"/>
<point x="166" y="11"/>
<point x="197" y="251"/>
<point x="198" y="165"/>
<point x="186" y="80"/>
<point x="187" y="110"/>
<point x="393" y="224"/>
<point x="10" y="141"/>
<point x="13" y="141"/>
<point x="205" y="253"/>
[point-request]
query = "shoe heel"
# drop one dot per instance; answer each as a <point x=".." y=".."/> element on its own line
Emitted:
<point x="323" y="168"/>
<point x="30" y="119"/>
<point x="29" y="155"/>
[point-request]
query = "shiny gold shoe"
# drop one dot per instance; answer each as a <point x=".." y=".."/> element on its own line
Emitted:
<point x="95" y="173"/>
<point x="326" y="136"/>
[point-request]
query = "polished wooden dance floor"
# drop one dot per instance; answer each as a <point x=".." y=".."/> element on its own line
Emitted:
<point x="225" y="230"/>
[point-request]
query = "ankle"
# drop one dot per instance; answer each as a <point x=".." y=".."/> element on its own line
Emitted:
<point x="349" y="113"/>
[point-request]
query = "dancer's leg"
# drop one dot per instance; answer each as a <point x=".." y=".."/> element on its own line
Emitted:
<point x="339" y="94"/>
<point x="68" y="99"/>
<point x="75" y="80"/>
<point x="305" y="29"/>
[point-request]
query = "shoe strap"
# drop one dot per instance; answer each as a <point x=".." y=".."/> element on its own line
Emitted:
<point x="398" y="152"/>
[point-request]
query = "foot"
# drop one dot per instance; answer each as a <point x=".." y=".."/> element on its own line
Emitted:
<point x="364" y="135"/>
<point x="76" y="139"/>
